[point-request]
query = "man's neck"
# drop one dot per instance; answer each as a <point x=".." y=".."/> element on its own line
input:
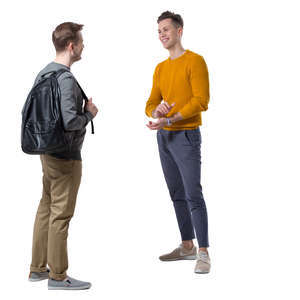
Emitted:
<point x="63" y="60"/>
<point x="176" y="51"/>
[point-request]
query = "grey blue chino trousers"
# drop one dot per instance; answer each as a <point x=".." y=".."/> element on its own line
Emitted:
<point x="180" y="157"/>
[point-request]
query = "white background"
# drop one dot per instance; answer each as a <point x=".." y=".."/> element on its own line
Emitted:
<point x="124" y="218"/>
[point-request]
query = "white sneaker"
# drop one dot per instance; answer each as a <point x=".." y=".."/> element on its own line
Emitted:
<point x="203" y="263"/>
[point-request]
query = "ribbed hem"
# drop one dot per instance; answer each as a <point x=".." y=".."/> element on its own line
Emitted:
<point x="171" y="128"/>
<point x="74" y="155"/>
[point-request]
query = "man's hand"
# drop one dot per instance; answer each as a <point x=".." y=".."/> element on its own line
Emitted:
<point x="161" y="122"/>
<point x="91" y="107"/>
<point x="162" y="109"/>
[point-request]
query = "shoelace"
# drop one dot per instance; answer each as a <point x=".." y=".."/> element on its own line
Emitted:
<point x="203" y="256"/>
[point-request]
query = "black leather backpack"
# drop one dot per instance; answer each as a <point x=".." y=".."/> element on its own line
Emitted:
<point x="42" y="125"/>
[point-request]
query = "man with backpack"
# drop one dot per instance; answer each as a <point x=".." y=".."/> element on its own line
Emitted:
<point x="62" y="169"/>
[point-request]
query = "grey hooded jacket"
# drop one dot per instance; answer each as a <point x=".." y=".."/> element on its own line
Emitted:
<point x="74" y="117"/>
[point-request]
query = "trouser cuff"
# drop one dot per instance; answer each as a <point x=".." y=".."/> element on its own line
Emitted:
<point x="203" y="245"/>
<point x="187" y="237"/>
<point x="38" y="270"/>
<point x="57" y="276"/>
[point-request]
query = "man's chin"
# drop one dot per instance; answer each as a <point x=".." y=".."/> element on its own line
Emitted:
<point x="77" y="58"/>
<point x="168" y="46"/>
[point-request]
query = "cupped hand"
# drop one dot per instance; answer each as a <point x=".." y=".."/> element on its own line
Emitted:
<point x="159" y="124"/>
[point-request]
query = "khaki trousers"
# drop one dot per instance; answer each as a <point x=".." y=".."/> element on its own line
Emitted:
<point x="61" y="180"/>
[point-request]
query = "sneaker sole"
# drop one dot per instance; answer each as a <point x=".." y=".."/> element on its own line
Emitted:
<point x="38" y="279"/>
<point x="200" y="272"/>
<point x="69" y="288"/>
<point x="188" y="257"/>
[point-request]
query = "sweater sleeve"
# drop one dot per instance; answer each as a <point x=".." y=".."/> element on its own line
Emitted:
<point x="72" y="120"/>
<point x="155" y="96"/>
<point x="200" y="89"/>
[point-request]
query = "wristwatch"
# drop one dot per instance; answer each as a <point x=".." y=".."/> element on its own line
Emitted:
<point x="169" y="123"/>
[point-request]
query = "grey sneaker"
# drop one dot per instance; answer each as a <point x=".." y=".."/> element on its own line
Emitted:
<point x="68" y="284"/>
<point x="38" y="276"/>
<point x="180" y="253"/>
<point x="203" y="263"/>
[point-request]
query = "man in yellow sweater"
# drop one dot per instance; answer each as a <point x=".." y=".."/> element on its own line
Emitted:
<point x="179" y="94"/>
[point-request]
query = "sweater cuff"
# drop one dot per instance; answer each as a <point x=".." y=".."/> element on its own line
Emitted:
<point x="89" y="116"/>
<point x="149" y="111"/>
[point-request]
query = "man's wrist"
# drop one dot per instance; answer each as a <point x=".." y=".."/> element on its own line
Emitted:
<point x="90" y="116"/>
<point x="176" y="117"/>
<point x="153" y="114"/>
<point x="169" y="121"/>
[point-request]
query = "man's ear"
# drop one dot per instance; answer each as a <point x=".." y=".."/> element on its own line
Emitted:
<point x="70" y="47"/>
<point x="180" y="31"/>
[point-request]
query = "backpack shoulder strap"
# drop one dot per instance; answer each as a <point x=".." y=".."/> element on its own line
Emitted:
<point x="60" y="72"/>
<point x="86" y="100"/>
<point x="55" y="73"/>
<point x="82" y="91"/>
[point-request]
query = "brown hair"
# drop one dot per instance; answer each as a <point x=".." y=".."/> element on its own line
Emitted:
<point x="64" y="34"/>
<point x="176" y="19"/>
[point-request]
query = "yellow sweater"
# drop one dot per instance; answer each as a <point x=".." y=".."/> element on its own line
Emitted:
<point x="183" y="80"/>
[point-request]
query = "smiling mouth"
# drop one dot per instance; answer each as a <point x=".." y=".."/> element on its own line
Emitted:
<point x="164" y="40"/>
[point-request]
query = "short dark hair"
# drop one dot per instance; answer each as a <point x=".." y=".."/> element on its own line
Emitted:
<point x="176" y="18"/>
<point x="64" y="34"/>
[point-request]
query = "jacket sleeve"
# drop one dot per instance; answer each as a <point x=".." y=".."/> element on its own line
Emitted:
<point x="200" y="89"/>
<point x="155" y="96"/>
<point x="72" y="120"/>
